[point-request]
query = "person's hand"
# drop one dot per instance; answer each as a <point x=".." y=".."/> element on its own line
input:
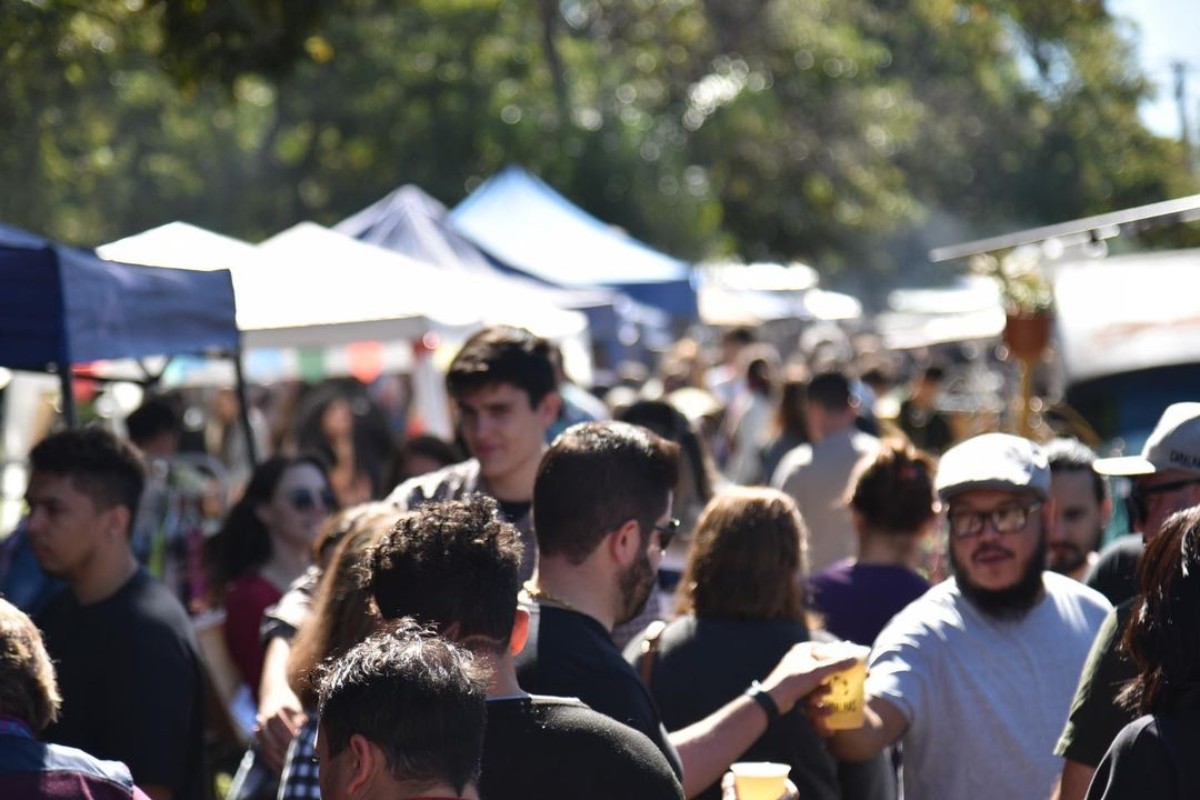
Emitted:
<point x="800" y="673"/>
<point x="274" y="733"/>
<point x="729" y="789"/>
<point x="816" y="711"/>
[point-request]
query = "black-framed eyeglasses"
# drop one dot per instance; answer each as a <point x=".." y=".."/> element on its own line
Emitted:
<point x="966" y="523"/>
<point x="1140" y="496"/>
<point x="305" y="500"/>
<point x="666" y="531"/>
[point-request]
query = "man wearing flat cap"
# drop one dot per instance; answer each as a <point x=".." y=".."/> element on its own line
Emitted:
<point x="975" y="677"/>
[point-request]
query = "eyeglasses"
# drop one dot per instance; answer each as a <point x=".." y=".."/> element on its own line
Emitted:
<point x="1140" y="495"/>
<point x="667" y="531"/>
<point x="966" y="523"/>
<point x="305" y="500"/>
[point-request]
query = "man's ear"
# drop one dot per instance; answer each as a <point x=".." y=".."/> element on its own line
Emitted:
<point x="1106" y="511"/>
<point x="547" y="410"/>
<point x="116" y="523"/>
<point x="366" y="761"/>
<point x="625" y="543"/>
<point x="520" y="631"/>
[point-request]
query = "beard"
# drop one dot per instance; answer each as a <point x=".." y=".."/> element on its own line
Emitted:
<point x="637" y="583"/>
<point x="1066" y="558"/>
<point x="1012" y="602"/>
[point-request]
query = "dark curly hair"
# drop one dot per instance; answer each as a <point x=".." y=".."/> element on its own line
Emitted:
<point x="418" y="697"/>
<point x="452" y="563"/>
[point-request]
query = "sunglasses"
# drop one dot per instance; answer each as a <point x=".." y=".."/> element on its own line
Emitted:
<point x="666" y="532"/>
<point x="304" y="500"/>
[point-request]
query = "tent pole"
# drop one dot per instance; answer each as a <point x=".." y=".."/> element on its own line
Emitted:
<point x="244" y="406"/>
<point x="67" y="382"/>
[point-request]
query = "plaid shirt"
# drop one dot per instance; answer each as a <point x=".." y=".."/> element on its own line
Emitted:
<point x="299" y="779"/>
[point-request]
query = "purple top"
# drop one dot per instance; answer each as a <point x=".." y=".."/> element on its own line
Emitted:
<point x="857" y="600"/>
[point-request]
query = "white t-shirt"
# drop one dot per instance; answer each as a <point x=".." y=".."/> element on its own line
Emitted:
<point x="985" y="699"/>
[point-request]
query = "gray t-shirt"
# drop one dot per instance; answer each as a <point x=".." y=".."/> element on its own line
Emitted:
<point x="985" y="699"/>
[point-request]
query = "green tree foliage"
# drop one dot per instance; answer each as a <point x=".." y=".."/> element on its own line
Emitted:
<point x="848" y="133"/>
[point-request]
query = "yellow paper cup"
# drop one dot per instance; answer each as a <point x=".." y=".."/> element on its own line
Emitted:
<point x="845" y="695"/>
<point x="760" y="780"/>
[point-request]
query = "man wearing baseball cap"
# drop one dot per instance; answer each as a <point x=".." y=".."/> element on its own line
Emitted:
<point x="975" y="676"/>
<point x="1166" y="479"/>
<point x="1166" y="476"/>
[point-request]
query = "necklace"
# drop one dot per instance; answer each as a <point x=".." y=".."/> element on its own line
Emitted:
<point x="541" y="596"/>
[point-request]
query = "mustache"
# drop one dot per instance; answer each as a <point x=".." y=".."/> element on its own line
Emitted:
<point x="991" y="549"/>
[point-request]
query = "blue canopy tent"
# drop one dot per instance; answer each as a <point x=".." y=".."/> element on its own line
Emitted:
<point x="63" y="306"/>
<point x="409" y="221"/>
<point x="527" y="226"/>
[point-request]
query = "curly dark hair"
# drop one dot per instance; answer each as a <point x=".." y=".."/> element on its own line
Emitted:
<point x="419" y="698"/>
<point x="450" y="564"/>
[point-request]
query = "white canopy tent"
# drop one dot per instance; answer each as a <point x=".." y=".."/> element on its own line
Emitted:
<point x="968" y="311"/>
<point x="311" y="287"/>
<point x="1128" y="312"/>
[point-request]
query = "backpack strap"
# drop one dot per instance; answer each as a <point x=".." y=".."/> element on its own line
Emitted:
<point x="649" y="649"/>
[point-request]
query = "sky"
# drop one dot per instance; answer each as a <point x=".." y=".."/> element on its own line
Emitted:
<point x="1169" y="30"/>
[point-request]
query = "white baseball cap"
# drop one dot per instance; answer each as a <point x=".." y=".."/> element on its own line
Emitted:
<point x="1174" y="444"/>
<point x="994" y="461"/>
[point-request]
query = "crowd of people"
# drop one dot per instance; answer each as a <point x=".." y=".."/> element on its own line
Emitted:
<point x="617" y="597"/>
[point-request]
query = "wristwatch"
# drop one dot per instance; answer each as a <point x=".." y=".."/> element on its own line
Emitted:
<point x="758" y="694"/>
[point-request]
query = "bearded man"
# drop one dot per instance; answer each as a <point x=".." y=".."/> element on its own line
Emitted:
<point x="1082" y="508"/>
<point x="975" y="677"/>
<point x="602" y="515"/>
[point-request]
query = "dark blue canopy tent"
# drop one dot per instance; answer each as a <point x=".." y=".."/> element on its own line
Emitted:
<point x="527" y="226"/>
<point x="61" y="306"/>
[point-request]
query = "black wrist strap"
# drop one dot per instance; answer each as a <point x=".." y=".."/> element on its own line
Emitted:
<point x="759" y="695"/>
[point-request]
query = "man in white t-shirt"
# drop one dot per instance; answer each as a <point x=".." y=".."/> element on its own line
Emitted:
<point x="976" y="677"/>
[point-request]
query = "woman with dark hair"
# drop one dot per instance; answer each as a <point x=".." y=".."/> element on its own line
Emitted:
<point x="342" y="616"/>
<point x="893" y="507"/>
<point x="341" y="422"/>
<point x="265" y="544"/>
<point x="1154" y="756"/>
<point x="741" y="606"/>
